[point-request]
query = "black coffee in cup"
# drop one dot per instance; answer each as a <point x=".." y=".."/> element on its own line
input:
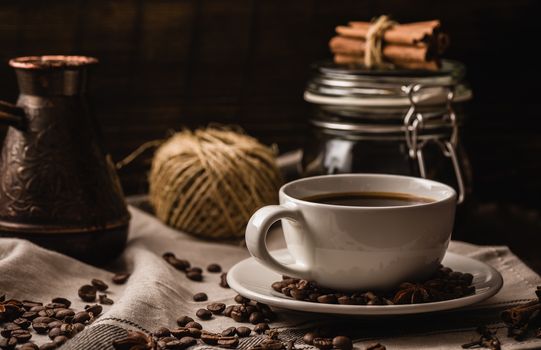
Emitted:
<point x="368" y="199"/>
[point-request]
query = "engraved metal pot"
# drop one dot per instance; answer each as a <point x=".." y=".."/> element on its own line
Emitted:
<point x="58" y="185"/>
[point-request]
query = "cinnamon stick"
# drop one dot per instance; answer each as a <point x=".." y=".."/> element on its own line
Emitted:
<point x="349" y="46"/>
<point x="408" y="34"/>
<point x="416" y="65"/>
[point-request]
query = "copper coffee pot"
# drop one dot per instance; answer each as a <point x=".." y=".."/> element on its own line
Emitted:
<point x="58" y="186"/>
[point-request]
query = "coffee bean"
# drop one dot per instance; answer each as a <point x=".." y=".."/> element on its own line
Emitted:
<point x="243" y="331"/>
<point x="8" y="343"/>
<point x="78" y="327"/>
<point x="260" y="328"/>
<point x="162" y="332"/>
<point x="55" y="324"/>
<point x="227" y="310"/>
<point x="376" y="346"/>
<point x="180" y="332"/>
<point x="342" y="342"/>
<point x="195" y="332"/>
<point x="229" y="332"/>
<point x="278" y="286"/>
<point x="22" y="322"/>
<point x="216" y="308"/>
<point x="42" y="319"/>
<point x="183" y="320"/>
<point x="204" y="314"/>
<point x="29" y="315"/>
<point x="99" y="284"/>
<point x="194" y="276"/>
<point x="200" y="297"/>
<point x="60" y="340"/>
<point x="87" y="293"/>
<point x="63" y="313"/>
<point x="238" y="316"/>
<point x="60" y="300"/>
<point x="194" y="324"/>
<point x="8" y="328"/>
<point x="95" y="309"/>
<point x="48" y="346"/>
<point x="29" y="346"/>
<point x="55" y="332"/>
<point x="214" y="268"/>
<point x="327" y="299"/>
<point x="40" y="328"/>
<point x="133" y="340"/>
<point x="309" y="338"/>
<point x="179" y="264"/>
<point x="256" y="317"/>
<point x="81" y="317"/>
<point x="323" y="343"/>
<point x="120" y="278"/>
<point x="195" y="269"/>
<point x="228" y="342"/>
<point x="298" y="294"/>
<point x="241" y="300"/>
<point x="210" y="338"/>
<point x="46" y="313"/>
<point x="104" y="300"/>
<point x="223" y="280"/>
<point x="187" y="342"/>
<point x="37" y="308"/>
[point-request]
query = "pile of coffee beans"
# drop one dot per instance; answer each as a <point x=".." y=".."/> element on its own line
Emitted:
<point x="88" y="292"/>
<point x="56" y="319"/>
<point x="445" y="284"/>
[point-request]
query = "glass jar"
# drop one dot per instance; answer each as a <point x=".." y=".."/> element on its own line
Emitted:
<point x="395" y="121"/>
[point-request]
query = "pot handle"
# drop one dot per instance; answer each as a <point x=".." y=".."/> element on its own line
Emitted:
<point x="12" y="115"/>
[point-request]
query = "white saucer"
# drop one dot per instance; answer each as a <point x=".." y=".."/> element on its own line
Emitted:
<point x="253" y="280"/>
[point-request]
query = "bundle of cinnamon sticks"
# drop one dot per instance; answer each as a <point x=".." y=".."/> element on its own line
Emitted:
<point x="417" y="45"/>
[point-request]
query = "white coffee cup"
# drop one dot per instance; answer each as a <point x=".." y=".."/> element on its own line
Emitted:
<point x="355" y="247"/>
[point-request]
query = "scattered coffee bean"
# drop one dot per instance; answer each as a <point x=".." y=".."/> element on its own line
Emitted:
<point x="48" y="346"/>
<point x="180" y="332"/>
<point x="195" y="269"/>
<point x="260" y="328"/>
<point x="29" y="346"/>
<point x="8" y="343"/>
<point x="46" y="313"/>
<point x="133" y="340"/>
<point x="228" y="342"/>
<point x="327" y="299"/>
<point x="60" y="340"/>
<point x="223" y="280"/>
<point x="195" y="332"/>
<point x="120" y="278"/>
<point x="95" y="309"/>
<point x="216" y="308"/>
<point x="204" y="314"/>
<point x="55" y="332"/>
<point x="29" y="315"/>
<point x="376" y="346"/>
<point x="309" y="338"/>
<point x="194" y="324"/>
<point x="270" y="344"/>
<point x="87" y="293"/>
<point x="81" y="317"/>
<point x="104" y="300"/>
<point x="194" y="276"/>
<point x="99" y="285"/>
<point x="22" y="322"/>
<point x="40" y="328"/>
<point x="227" y="310"/>
<point x="229" y="332"/>
<point x="8" y="328"/>
<point x="60" y="300"/>
<point x="210" y="338"/>
<point x="183" y="320"/>
<point x="200" y="297"/>
<point x="55" y="324"/>
<point x="241" y="300"/>
<point x="256" y="317"/>
<point x="342" y="342"/>
<point x="63" y="313"/>
<point x="214" y="268"/>
<point x="78" y="327"/>
<point x="41" y="319"/>
<point x="162" y="332"/>
<point x="323" y="343"/>
<point x="243" y="331"/>
<point x="187" y="342"/>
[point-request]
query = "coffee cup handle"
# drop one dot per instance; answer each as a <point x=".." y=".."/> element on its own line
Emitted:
<point x="256" y="237"/>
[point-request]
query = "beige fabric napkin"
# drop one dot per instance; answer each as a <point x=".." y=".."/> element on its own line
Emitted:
<point x="156" y="294"/>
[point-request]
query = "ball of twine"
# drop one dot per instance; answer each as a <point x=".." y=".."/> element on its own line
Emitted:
<point x="210" y="181"/>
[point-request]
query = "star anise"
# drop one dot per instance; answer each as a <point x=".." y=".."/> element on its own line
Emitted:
<point x="411" y="293"/>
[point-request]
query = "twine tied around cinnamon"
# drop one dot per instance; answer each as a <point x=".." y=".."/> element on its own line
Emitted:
<point x="373" y="56"/>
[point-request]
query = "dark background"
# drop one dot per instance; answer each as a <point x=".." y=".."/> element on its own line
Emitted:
<point x="168" y="64"/>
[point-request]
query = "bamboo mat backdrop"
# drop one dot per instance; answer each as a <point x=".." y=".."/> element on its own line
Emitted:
<point x="172" y="63"/>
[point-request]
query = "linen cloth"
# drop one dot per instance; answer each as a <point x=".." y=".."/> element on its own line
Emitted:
<point x="156" y="294"/>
